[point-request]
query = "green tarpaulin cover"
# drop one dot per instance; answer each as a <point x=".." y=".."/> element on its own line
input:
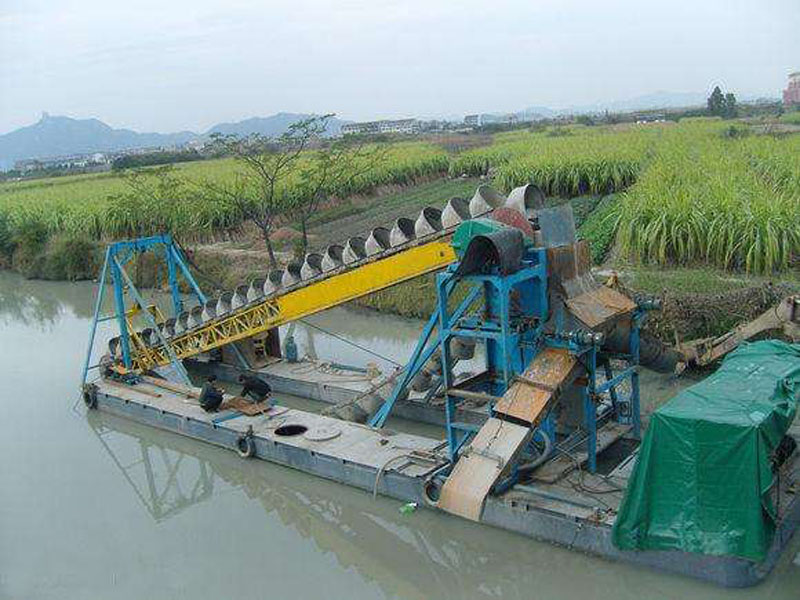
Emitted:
<point x="703" y="476"/>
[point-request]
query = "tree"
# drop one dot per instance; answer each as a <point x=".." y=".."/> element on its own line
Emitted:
<point x="716" y="102"/>
<point x="730" y="106"/>
<point x="147" y="206"/>
<point x="329" y="170"/>
<point x="722" y="105"/>
<point x="261" y="192"/>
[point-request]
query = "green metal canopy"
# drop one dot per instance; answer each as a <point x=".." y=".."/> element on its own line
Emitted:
<point x="703" y="477"/>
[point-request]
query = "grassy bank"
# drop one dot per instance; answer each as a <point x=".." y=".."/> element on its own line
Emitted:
<point x="698" y="192"/>
<point x="97" y="206"/>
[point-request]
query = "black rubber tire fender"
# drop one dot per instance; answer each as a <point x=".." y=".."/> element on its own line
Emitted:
<point x="246" y="446"/>
<point x="89" y="394"/>
<point x="431" y="489"/>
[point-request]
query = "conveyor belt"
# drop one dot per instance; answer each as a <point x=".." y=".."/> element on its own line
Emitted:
<point x="305" y="299"/>
<point x="361" y="266"/>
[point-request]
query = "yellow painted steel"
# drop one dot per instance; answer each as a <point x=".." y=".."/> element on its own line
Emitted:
<point x="302" y="302"/>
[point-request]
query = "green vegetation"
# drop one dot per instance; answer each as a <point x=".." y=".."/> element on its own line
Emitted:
<point x="101" y="207"/>
<point x="732" y="204"/>
<point x="722" y="105"/>
<point x="792" y="118"/>
<point x="598" y="228"/>
<point x="587" y="160"/>
<point x="701" y="192"/>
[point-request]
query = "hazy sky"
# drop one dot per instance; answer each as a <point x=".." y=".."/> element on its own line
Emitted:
<point x="168" y="65"/>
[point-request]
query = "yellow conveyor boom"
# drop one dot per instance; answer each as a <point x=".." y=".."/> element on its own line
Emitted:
<point x="293" y="304"/>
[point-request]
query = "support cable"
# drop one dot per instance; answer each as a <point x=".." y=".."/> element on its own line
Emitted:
<point x="350" y="342"/>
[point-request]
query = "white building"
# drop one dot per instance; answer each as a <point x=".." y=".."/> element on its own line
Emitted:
<point x="407" y="126"/>
<point x="473" y="120"/>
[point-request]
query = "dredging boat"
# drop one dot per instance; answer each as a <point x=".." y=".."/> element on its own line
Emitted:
<point x="545" y="440"/>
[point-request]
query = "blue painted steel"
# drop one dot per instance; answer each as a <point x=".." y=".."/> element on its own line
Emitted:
<point x="612" y="381"/>
<point x="119" y="303"/>
<point x="511" y="325"/>
<point x="177" y="302"/>
<point x="98" y="306"/>
<point x="418" y="359"/>
<point x="154" y="326"/>
<point x="180" y="261"/>
<point x="636" y="416"/>
<point x="612" y="390"/>
<point x="117" y="255"/>
<point x="233" y="415"/>
<point x="589" y="393"/>
<point x="510" y="336"/>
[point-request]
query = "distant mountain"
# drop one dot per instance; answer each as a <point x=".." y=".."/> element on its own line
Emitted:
<point x="538" y="112"/>
<point x="271" y="126"/>
<point x="645" y="102"/>
<point x="57" y="136"/>
<point x="652" y="101"/>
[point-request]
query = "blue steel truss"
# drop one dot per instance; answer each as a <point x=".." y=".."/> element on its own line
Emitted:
<point x="117" y="256"/>
<point x="510" y="325"/>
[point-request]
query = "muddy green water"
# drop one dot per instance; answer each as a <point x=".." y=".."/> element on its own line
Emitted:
<point x="98" y="507"/>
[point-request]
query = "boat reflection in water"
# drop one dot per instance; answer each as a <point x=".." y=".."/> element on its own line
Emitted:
<point x="424" y="555"/>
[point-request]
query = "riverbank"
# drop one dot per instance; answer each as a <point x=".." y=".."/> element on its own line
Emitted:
<point x="698" y="302"/>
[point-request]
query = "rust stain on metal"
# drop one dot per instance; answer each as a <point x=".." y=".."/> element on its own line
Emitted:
<point x="599" y="306"/>
<point x="530" y="396"/>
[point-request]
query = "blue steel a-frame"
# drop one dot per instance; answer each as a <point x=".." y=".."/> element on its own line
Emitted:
<point x="510" y="325"/>
<point x="117" y="257"/>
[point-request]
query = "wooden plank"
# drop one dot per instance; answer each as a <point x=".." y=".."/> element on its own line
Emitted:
<point x="243" y="406"/>
<point x="482" y="463"/>
<point x="171" y="386"/>
<point x="529" y="398"/>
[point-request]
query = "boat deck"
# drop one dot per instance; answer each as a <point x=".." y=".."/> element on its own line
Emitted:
<point x="323" y="382"/>
<point x="560" y="503"/>
<point x="318" y="435"/>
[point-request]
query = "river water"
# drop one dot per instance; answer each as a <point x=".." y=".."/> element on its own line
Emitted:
<point x="99" y="507"/>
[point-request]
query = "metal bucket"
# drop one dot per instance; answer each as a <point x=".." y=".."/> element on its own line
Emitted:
<point x="312" y="266"/>
<point x="182" y="322"/>
<point x="527" y="199"/>
<point x="148" y="336"/>
<point x="332" y="257"/>
<point x="462" y="348"/>
<point x="455" y="211"/>
<point x="210" y="310"/>
<point x="422" y="381"/>
<point x="195" y="317"/>
<point x="377" y="242"/>
<point x="354" y="250"/>
<point x="428" y="222"/>
<point x="485" y="199"/>
<point x="239" y="297"/>
<point x="256" y="289"/>
<point x="224" y="303"/>
<point x="168" y="328"/>
<point x="402" y="232"/>
<point x="292" y="274"/>
<point x="273" y="282"/>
